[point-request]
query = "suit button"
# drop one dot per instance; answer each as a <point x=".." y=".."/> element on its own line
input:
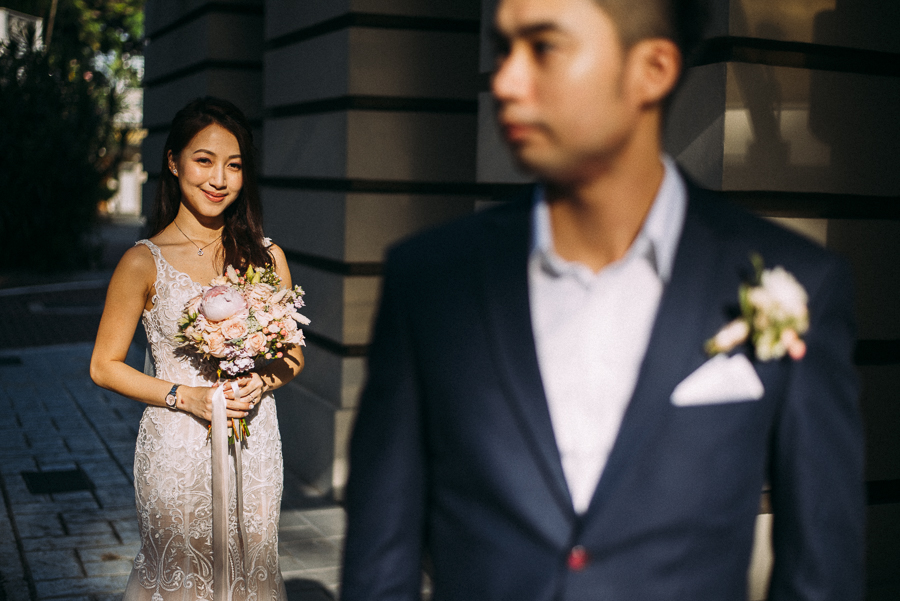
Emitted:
<point x="577" y="559"/>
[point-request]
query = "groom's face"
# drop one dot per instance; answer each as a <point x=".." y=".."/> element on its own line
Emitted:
<point x="563" y="86"/>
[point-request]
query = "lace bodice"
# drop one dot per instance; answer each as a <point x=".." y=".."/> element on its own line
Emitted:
<point x="172" y="477"/>
<point x="173" y="289"/>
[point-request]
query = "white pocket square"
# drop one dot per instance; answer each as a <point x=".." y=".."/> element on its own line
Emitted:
<point x="722" y="379"/>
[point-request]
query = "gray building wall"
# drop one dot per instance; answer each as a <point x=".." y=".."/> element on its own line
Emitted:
<point x="374" y="120"/>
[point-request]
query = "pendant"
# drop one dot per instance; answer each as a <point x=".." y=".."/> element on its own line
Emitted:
<point x="200" y="252"/>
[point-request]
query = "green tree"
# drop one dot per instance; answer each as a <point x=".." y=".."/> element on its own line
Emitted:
<point x="58" y="140"/>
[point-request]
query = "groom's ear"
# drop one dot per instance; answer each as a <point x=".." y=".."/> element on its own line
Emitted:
<point x="655" y="67"/>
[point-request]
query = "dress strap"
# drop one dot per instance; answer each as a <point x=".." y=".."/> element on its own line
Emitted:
<point x="160" y="265"/>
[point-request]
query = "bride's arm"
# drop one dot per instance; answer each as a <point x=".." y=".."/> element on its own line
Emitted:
<point x="280" y="371"/>
<point x="128" y="295"/>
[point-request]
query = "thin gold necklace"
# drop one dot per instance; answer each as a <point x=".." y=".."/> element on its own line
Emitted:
<point x="199" y="248"/>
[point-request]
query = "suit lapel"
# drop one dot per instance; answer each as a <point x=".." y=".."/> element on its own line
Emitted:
<point x="675" y="348"/>
<point x="504" y="284"/>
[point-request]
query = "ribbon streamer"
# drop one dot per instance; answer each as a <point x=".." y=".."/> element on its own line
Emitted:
<point x="220" y="490"/>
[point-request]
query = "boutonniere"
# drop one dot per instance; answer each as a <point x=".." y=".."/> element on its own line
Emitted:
<point x="774" y="316"/>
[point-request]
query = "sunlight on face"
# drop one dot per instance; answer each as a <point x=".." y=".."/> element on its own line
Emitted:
<point x="209" y="171"/>
<point x="559" y="86"/>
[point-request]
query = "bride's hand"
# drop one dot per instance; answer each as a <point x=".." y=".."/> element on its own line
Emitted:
<point x="197" y="400"/>
<point x="250" y="392"/>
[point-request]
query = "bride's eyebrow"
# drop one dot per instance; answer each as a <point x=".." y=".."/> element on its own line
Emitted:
<point x="234" y="156"/>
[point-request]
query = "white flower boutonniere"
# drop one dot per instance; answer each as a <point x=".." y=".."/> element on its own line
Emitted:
<point x="774" y="316"/>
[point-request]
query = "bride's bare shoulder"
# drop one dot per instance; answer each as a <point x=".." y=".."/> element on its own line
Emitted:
<point x="137" y="264"/>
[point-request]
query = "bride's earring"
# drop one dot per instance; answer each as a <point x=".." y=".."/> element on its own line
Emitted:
<point x="175" y="172"/>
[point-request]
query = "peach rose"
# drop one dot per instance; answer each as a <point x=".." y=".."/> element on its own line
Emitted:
<point x="234" y="328"/>
<point x="215" y="344"/>
<point x="255" y="343"/>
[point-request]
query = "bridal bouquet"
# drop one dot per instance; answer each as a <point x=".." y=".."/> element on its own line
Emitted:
<point x="240" y="318"/>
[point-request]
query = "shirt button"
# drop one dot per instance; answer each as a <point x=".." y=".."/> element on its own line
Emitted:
<point x="577" y="559"/>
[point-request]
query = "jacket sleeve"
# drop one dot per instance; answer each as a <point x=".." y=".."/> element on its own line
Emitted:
<point x="385" y="498"/>
<point x="818" y="495"/>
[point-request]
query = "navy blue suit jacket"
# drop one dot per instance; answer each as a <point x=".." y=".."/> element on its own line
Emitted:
<point x="453" y="456"/>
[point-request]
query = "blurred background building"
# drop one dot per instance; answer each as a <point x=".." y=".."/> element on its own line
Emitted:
<point x="15" y="26"/>
<point x="373" y="119"/>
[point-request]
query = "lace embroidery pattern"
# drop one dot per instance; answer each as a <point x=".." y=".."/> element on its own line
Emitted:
<point x="172" y="479"/>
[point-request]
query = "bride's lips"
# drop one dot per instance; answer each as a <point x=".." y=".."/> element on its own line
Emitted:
<point x="214" y="197"/>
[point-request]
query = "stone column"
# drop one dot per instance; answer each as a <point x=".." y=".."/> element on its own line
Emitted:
<point x="370" y="128"/>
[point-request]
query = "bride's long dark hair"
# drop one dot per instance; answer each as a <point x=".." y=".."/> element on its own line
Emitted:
<point x="242" y="237"/>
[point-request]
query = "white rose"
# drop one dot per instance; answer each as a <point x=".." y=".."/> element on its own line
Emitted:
<point x="785" y="292"/>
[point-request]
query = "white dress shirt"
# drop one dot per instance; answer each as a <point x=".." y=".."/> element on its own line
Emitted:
<point x="591" y="330"/>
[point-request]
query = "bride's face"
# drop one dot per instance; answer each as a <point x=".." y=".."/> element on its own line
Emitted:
<point x="209" y="171"/>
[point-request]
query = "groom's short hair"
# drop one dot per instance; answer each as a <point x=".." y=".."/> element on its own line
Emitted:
<point x="681" y="21"/>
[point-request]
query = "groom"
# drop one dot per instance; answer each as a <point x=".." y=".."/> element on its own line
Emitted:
<point x="543" y="419"/>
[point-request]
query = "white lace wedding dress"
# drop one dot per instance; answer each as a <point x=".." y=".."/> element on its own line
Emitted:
<point x="172" y="475"/>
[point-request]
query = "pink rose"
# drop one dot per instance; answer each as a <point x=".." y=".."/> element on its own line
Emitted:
<point x="255" y="343"/>
<point x="215" y="344"/>
<point x="277" y="311"/>
<point x="234" y="328"/>
<point x="221" y="302"/>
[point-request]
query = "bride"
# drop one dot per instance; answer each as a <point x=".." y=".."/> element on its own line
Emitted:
<point x="206" y="216"/>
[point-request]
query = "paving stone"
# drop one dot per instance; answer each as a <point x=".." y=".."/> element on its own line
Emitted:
<point x="10" y="561"/>
<point x="41" y="506"/>
<point x="128" y="530"/>
<point x="330" y="521"/>
<point x="108" y="568"/>
<point x="113" y="515"/>
<point x="33" y="506"/>
<point x="38" y="526"/>
<point x="12" y="439"/>
<point x="85" y="528"/>
<point x="81" y="541"/>
<point x="16" y="589"/>
<point x="54" y="457"/>
<point x="289" y="564"/>
<point x="52" y="589"/>
<point x="75" y="497"/>
<point x="298" y="533"/>
<point x="126" y="552"/>
<point x="292" y="517"/>
<point x="115" y="497"/>
<point x="50" y="565"/>
<point x="314" y="553"/>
